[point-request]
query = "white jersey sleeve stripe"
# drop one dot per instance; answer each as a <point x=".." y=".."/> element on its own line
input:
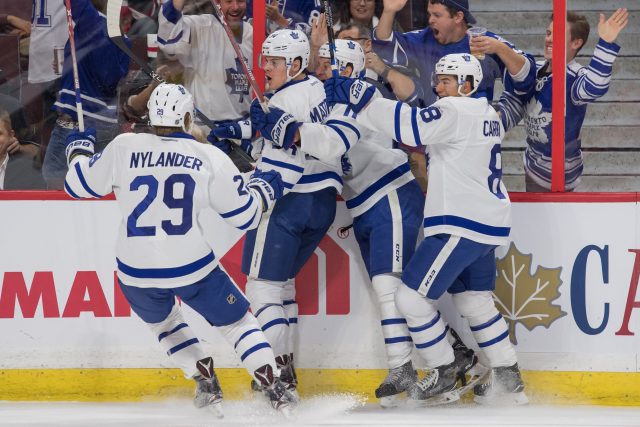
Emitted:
<point x="174" y="40"/>
<point x="239" y="210"/>
<point x="457" y="221"/>
<point x="283" y="165"/>
<point x="396" y="122"/>
<point x="345" y="124"/>
<point x="83" y="181"/>
<point x="342" y="136"/>
<point x="69" y="191"/>
<point x="166" y="273"/>
<point x="414" y="126"/>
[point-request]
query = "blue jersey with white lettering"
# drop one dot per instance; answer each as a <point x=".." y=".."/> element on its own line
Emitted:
<point x="584" y="85"/>
<point x="163" y="184"/>
<point x="421" y="51"/>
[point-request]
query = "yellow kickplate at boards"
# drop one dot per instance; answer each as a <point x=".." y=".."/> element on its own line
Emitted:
<point x="96" y="385"/>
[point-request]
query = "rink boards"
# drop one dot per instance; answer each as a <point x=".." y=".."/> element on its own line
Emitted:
<point x="568" y="283"/>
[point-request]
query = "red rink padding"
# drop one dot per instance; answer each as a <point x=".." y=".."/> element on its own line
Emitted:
<point x="515" y="197"/>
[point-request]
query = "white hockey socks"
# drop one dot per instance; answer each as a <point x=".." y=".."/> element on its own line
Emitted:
<point x="179" y="341"/>
<point x="488" y="326"/>
<point x="266" y="304"/>
<point x="397" y="340"/>
<point x="249" y="343"/>
<point x="291" y="313"/>
<point x="427" y="329"/>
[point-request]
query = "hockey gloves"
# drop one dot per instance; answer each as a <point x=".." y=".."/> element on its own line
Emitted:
<point x="353" y="92"/>
<point x="239" y="154"/>
<point x="276" y="125"/>
<point x="80" y="144"/>
<point x="231" y="129"/>
<point x="268" y="185"/>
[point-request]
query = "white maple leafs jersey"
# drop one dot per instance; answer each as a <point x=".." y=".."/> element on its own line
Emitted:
<point x="48" y="30"/>
<point x="212" y="72"/>
<point x="305" y="100"/>
<point x="371" y="167"/>
<point x="163" y="185"/>
<point x="466" y="196"/>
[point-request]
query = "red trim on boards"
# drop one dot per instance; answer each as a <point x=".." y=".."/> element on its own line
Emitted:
<point x="44" y="195"/>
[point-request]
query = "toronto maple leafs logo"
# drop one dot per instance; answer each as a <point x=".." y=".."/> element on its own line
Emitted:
<point x="467" y="58"/>
<point x="237" y="81"/>
<point x="537" y="122"/>
<point x="351" y="45"/>
<point x="295" y="35"/>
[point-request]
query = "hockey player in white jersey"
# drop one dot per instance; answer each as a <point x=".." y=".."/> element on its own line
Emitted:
<point x="275" y="252"/>
<point x="467" y="214"/>
<point x="164" y="183"/>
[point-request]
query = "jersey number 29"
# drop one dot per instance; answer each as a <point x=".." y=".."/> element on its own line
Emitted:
<point x="185" y="203"/>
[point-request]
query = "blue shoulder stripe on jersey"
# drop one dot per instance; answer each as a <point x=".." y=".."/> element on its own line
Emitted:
<point x="317" y="177"/>
<point x="345" y="124"/>
<point x="84" y="182"/>
<point x="243" y="336"/>
<point x="381" y="183"/>
<point x="253" y="350"/>
<point x="457" y="221"/>
<point x="239" y="210"/>
<point x="386" y="322"/>
<point x="176" y="329"/>
<point x="414" y="126"/>
<point x="486" y="324"/>
<point x="282" y="164"/>
<point x="183" y="345"/>
<point x="170" y="41"/>
<point x="495" y="340"/>
<point x="166" y="273"/>
<point x="69" y="191"/>
<point x="170" y="12"/>
<point x="433" y="341"/>
<point x="342" y="136"/>
<point x="396" y="121"/>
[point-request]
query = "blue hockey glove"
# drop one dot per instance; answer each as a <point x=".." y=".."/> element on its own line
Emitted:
<point x="80" y="144"/>
<point x="231" y="129"/>
<point x="353" y="92"/>
<point x="278" y="126"/>
<point x="223" y="144"/>
<point x="268" y="185"/>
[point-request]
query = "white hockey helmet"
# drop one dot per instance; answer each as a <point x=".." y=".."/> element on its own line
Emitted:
<point x="168" y="106"/>
<point x="461" y="65"/>
<point x="347" y="52"/>
<point x="288" y="44"/>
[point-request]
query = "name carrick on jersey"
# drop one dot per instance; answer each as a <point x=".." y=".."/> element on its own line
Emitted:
<point x="371" y="167"/>
<point x="466" y="195"/>
<point x="305" y="100"/>
<point x="163" y="185"/>
<point x="213" y="73"/>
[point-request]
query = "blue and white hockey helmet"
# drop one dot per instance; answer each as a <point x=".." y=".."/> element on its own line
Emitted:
<point x="169" y="105"/>
<point x="347" y="52"/>
<point x="288" y="44"/>
<point x="461" y="65"/>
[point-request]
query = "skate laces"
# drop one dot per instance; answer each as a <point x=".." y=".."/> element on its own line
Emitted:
<point x="429" y="380"/>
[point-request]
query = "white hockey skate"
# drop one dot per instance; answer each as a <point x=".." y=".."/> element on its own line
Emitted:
<point x="504" y="386"/>
<point x="397" y="381"/>
<point x="208" y="392"/>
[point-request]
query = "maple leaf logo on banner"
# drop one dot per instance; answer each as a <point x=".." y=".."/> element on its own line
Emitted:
<point x="525" y="298"/>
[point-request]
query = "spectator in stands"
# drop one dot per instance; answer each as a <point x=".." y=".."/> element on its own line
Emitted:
<point x="212" y="73"/>
<point x="101" y="65"/>
<point x="363" y="12"/>
<point x="8" y="144"/>
<point x="11" y="24"/>
<point x="141" y="17"/>
<point x="583" y="85"/>
<point x="294" y="14"/>
<point x="449" y="21"/>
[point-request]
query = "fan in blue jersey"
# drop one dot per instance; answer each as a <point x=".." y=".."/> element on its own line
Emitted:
<point x="101" y="65"/>
<point x="164" y="184"/>
<point x="467" y="215"/>
<point x="584" y="85"/>
<point x="293" y="14"/>
<point x="447" y="33"/>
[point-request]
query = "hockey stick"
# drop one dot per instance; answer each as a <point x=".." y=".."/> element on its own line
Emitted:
<point x="240" y="56"/>
<point x="113" y="29"/>
<point x="74" y="63"/>
<point x="332" y="40"/>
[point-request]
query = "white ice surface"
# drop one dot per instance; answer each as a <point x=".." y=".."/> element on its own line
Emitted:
<point x="335" y="410"/>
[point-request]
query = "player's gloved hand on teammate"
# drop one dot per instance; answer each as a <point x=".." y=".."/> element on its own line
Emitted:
<point x="80" y="144"/>
<point x="268" y="185"/>
<point x="276" y="125"/>
<point x="231" y="129"/>
<point x="353" y="92"/>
